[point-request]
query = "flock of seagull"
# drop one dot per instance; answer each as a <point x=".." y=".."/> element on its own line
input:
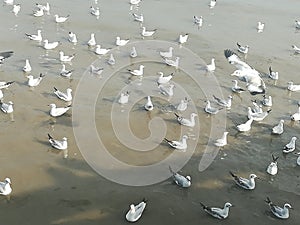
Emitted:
<point x="244" y="72"/>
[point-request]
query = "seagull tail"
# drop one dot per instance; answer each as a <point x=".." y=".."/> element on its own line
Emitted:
<point x="232" y="174"/>
<point x="204" y="206"/>
<point x="268" y="200"/>
<point x="55" y="89"/>
<point x="176" y="115"/>
<point x="50" y="137"/>
<point x="167" y="140"/>
<point x="171" y="170"/>
<point x="145" y="200"/>
<point x="275" y="158"/>
<point x="9" y="82"/>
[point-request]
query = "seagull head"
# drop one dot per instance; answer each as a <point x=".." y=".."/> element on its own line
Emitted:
<point x="8" y="180"/>
<point x="64" y="139"/>
<point x="189" y="178"/>
<point x="252" y="176"/>
<point x="228" y="205"/>
<point x="287" y="205"/>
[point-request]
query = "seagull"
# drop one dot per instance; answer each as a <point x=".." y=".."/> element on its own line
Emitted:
<point x="218" y="213"/>
<point x="260" y="116"/>
<point x="7" y="107"/>
<point x="181" y="180"/>
<point x="139" y="18"/>
<point x="291" y="146"/>
<point x="50" y="45"/>
<point x="281" y="213"/>
<point x="4" y="55"/>
<point x="247" y="184"/>
<point x="56" y="112"/>
<point x="60" y="145"/>
<point x="267" y="101"/>
<point x="96" y="70"/>
<point x="209" y="109"/>
<point x="38" y="13"/>
<point x="245" y="126"/>
<point x="222" y="141"/>
<point x="9" y="2"/>
<point x="111" y="61"/>
<point x="236" y="88"/>
<point x="171" y="62"/>
<point x="64" y="72"/>
<point x="198" y="20"/>
<point x="296" y="115"/>
<point x="72" y="37"/>
<point x="149" y="105"/>
<point x="272" y="168"/>
<point x="183" y="38"/>
<point x="135" y="212"/>
<point x="95" y="11"/>
<point x="92" y="41"/>
<point x="16" y="9"/>
<point x="180" y="145"/>
<point x="5" y="188"/>
<point x="167" y="54"/>
<point x="255" y="89"/>
<point x="124" y="98"/>
<point x="67" y="97"/>
<point x="296" y="49"/>
<point x="187" y="122"/>
<point x="278" y="129"/>
<point x="298" y="159"/>
<point x="61" y="19"/>
<point x="134" y="2"/>
<point x="212" y="66"/>
<point x="137" y="72"/>
<point x="164" y="79"/>
<point x="65" y="58"/>
<point x="133" y="52"/>
<point x="33" y="82"/>
<point x="242" y="49"/>
<point x="121" y="42"/>
<point x="101" y="51"/>
<point x="4" y="84"/>
<point x="257" y="108"/>
<point x="1" y="95"/>
<point x="27" y="67"/>
<point x="260" y="27"/>
<point x="273" y="75"/>
<point x="182" y="106"/>
<point x="223" y="102"/>
<point x="167" y="90"/>
<point x="212" y="3"/>
<point x="35" y="37"/>
<point x="147" y="33"/>
<point x="293" y="87"/>
<point x="43" y="7"/>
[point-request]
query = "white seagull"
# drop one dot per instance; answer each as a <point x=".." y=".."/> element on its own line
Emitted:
<point x="267" y="101"/>
<point x="1" y="95"/>
<point x="296" y="115"/>
<point x="174" y="63"/>
<point x="95" y="11"/>
<point x="67" y="97"/>
<point x="96" y="70"/>
<point x="133" y="52"/>
<point x="167" y="90"/>
<point x="27" y="67"/>
<point x="260" y="116"/>
<point x="180" y="145"/>
<point x="181" y="180"/>
<point x="281" y="213"/>
<point x="164" y="79"/>
<point x="65" y="58"/>
<point x="218" y="213"/>
<point x="183" y="38"/>
<point x="111" y="61"/>
<point x="222" y="141"/>
<point x="5" y="84"/>
<point x="273" y="75"/>
<point x="278" y="129"/>
<point x="137" y="72"/>
<point x="247" y="184"/>
<point x="60" y="145"/>
<point x="245" y="126"/>
<point x="50" y="45"/>
<point x="260" y="27"/>
<point x="61" y="19"/>
<point x="101" y="51"/>
<point x="134" y="2"/>
<point x="236" y="88"/>
<point x="223" y="102"/>
<point x="291" y="146"/>
<point x="209" y="109"/>
<point x="198" y="21"/>
<point x="147" y="33"/>
<point x="9" y="2"/>
<point x="56" y="112"/>
<point x="135" y="212"/>
<point x="212" y="66"/>
<point x="242" y="49"/>
<point x="124" y="97"/>
<point x="38" y="13"/>
<point x="121" y="42"/>
<point x="272" y="168"/>
<point x="167" y="54"/>
<point x="296" y="49"/>
<point x="4" y="55"/>
<point x="149" y="105"/>
<point x="7" y="107"/>
<point x="33" y="82"/>
<point x="35" y="37"/>
<point x="187" y="122"/>
<point x="92" y="41"/>
<point x="139" y="18"/>
<point x="72" y="37"/>
<point x="43" y="7"/>
<point x="293" y="87"/>
<point x="16" y="9"/>
<point x="212" y="3"/>
<point x="5" y="188"/>
<point x="297" y="24"/>
<point x="182" y="106"/>
<point x="64" y="72"/>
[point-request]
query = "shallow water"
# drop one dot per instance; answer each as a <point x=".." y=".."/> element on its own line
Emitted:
<point x="49" y="189"/>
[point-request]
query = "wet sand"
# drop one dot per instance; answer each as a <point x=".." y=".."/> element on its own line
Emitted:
<point x="48" y="189"/>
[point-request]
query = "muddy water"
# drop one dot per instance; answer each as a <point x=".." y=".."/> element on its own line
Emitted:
<point x="49" y="189"/>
